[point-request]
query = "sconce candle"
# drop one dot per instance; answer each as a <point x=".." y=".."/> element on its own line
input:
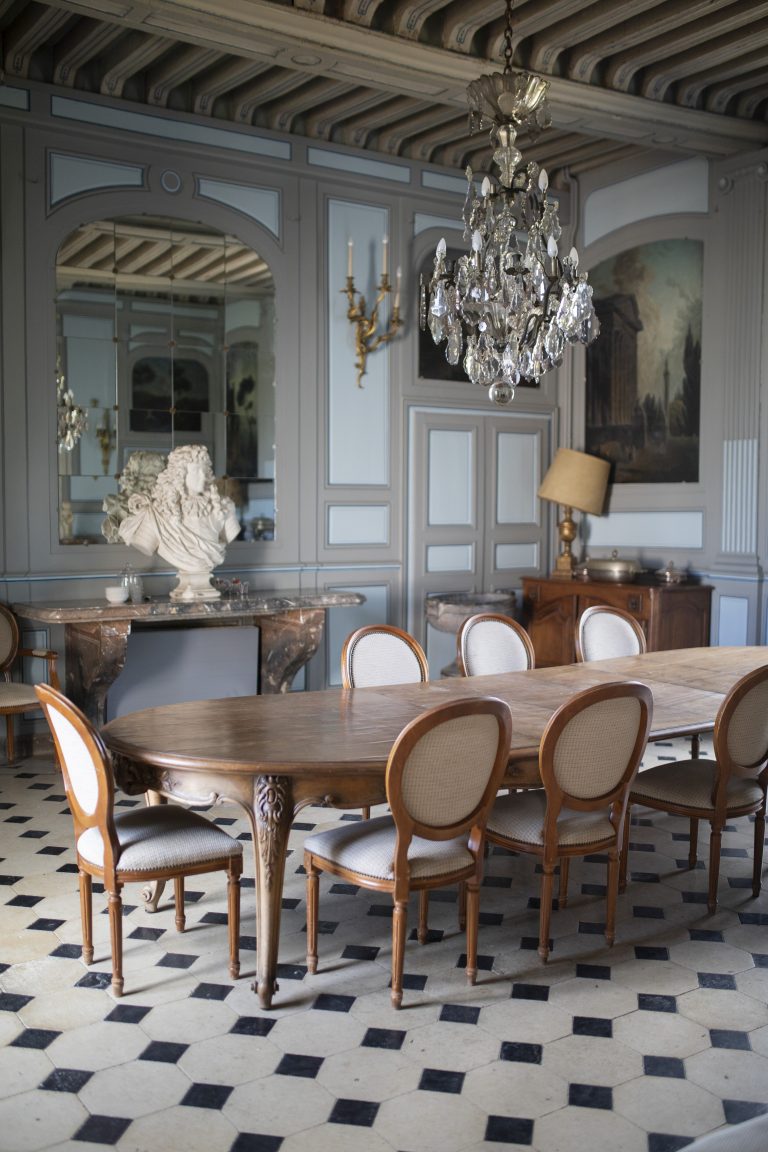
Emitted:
<point x="350" y="248"/>
<point x="384" y="256"/>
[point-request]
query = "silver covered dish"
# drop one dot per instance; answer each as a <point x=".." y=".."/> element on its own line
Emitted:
<point x="614" y="569"/>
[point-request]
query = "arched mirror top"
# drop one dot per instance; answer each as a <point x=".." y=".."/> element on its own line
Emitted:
<point x="165" y="336"/>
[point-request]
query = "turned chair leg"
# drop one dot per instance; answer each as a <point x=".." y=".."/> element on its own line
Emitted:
<point x="610" y="896"/>
<point x="116" y="937"/>
<point x="10" y="748"/>
<point x="86" y="916"/>
<point x="623" y="860"/>
<point x="178" y="897"/>
<point x="233" y="916"/>
<point x="399" y="929"/>
<point x="312" y="894"/>
<point x="715" y="840"/>
<point x="423" y="928"/>
<point x="693" y="841"/>
<point x="473" y="920"/>
<point x="545" y="909"/>
<point x="462" y="905"/>
<point x="757" y="853"/>
<point x="562" y="896"/>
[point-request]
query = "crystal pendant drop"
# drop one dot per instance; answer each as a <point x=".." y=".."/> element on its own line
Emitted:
<point x="501" y="392"/>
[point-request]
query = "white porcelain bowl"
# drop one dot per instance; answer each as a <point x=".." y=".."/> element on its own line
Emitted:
<point x="116" y="594"/>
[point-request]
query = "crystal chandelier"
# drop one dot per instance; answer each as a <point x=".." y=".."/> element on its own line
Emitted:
<point x="71" y="418"/>
<point x="512" y="303"/>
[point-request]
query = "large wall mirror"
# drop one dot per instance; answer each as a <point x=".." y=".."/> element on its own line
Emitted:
<point x="165" y="336"/>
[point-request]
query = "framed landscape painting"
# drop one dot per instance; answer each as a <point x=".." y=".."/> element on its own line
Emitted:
<point x="643" y="382"/>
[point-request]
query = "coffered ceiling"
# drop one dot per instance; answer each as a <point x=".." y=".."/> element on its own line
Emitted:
<point x="389" y="76"/>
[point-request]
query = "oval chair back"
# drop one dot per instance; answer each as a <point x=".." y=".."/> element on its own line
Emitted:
<point x="603" y="633"/>
<point x="381" y="654"/>
<point x="488" y="644"/>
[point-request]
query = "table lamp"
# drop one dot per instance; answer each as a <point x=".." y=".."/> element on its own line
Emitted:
<point x="574" y="480"/>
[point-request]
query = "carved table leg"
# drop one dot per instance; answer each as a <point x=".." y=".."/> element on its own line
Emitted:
<point x="288" y="641"/>
<point x="271" y="820"/>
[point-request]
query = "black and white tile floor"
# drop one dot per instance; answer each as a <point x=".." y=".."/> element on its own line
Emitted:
<point x="638" y="1048"/>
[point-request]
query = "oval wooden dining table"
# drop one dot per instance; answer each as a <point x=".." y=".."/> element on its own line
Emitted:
<point x="274" y="755"/>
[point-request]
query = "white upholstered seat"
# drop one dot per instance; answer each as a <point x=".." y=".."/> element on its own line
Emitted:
<point x="150" y="843"/>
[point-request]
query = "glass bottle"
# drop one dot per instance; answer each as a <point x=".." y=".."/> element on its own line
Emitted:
<point x="133" y="584"/>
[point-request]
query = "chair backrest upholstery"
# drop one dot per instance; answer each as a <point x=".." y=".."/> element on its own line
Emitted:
<point x="592" y="746"/>
<point x="85" y="765"/>
<point x="488" y="644"/>
<point x="446" y="766"/>
<point x="381" y="654"/>
<point x="603" y="632"/>
<point x="9" y="637"/>
<point x="741" y="727"/>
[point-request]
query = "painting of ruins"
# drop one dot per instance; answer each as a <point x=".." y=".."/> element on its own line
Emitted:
<point x="644" y="370"/>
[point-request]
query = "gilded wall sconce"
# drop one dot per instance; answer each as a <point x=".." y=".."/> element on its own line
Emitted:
<point x="368" y="336"/>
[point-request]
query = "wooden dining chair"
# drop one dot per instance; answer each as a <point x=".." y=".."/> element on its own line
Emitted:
<point x="16" y="697"/>
<point x="589" y="755"/>
<point x="442" y="775"/>
<point x="380" y="654"/>
<point x="157" y="842"/>
<point x="733" y="784"/>
<point x="603" y="632"/>
<point x="488" y="644"/>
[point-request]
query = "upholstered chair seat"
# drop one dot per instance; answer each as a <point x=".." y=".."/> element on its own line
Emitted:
<point x="369" y="849"/>
<point x="520" y="817"/>
<point x="159" y="838"/>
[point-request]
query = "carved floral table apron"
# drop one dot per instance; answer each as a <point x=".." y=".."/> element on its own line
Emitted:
<point x="96" y="634"/>
<point x="273" y="755"/>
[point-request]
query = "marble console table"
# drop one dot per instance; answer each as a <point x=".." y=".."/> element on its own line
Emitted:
<point x="96" y="634"/>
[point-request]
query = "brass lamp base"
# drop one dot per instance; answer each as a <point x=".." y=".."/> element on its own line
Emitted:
<point x="564" y="562"/>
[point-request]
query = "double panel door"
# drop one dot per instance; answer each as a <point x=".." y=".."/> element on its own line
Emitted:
<point x="475" y="523"/>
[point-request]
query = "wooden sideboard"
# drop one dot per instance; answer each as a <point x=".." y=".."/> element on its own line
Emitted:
<point x="671" y="615"/>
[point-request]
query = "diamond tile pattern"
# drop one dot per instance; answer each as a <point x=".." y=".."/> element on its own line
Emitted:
<point x="643" y="1046"/>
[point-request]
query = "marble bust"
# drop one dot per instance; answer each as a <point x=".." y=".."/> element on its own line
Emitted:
<point x="185" y="520"/>
<point x="138" y="476"/>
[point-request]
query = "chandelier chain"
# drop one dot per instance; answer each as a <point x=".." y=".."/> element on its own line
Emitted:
<point x="508" y="46"/>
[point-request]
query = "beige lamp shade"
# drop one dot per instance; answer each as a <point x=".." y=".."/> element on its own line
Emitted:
<point x="576" y="480"/>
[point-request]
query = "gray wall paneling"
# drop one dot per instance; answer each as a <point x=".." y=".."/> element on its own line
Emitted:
<point x="318" y="518"/>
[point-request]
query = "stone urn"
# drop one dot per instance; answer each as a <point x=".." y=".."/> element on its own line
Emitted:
<point x="447" y="611"/>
